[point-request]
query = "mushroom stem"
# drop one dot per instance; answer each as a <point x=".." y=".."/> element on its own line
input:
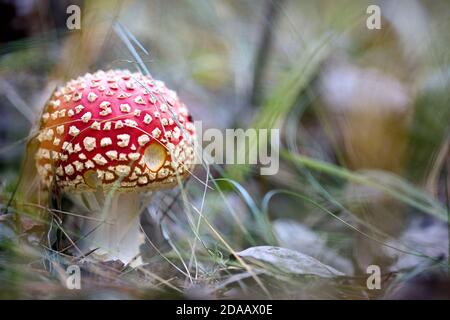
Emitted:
<point x="113" y="227"/>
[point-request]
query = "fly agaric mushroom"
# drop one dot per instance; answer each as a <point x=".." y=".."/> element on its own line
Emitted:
<point x="105" y="138"/>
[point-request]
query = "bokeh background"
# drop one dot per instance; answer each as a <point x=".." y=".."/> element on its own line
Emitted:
<point x="364" y="118"/>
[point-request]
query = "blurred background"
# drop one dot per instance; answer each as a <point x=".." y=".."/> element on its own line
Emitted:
<point x="364" y="118"/>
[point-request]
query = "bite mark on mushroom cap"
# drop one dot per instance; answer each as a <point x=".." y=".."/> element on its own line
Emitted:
<point x="114" y="132"/>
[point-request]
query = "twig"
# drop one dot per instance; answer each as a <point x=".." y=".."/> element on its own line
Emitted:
<point x="271" y="14"/>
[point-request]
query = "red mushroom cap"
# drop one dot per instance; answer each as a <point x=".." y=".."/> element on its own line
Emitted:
<point x="115" y="129"/>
